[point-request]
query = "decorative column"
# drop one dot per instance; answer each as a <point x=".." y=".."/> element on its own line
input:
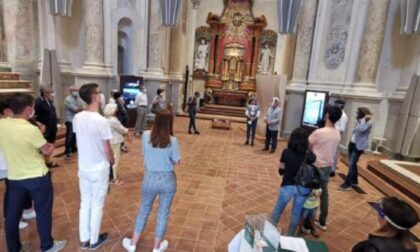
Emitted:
<point x="156" y="43"/>
<point x="20" y="35"/>
<point x="94" y="33"/>
<point x="372" y="41"/>
<point x="3" y="49"/>
<point x="304" y="41"/>
<point x="192" y="22"/>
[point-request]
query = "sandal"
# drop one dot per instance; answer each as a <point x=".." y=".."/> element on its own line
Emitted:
<point x="52" y="164"/>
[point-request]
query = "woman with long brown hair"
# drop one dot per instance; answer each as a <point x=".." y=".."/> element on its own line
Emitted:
<point x="395" y="217"/>
<point x="161" y="155"/>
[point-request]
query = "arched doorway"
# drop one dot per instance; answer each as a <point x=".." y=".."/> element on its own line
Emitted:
<point x="125" y="47"/>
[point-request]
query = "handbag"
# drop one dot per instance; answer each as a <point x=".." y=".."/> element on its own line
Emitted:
<point x="308" y="175"/>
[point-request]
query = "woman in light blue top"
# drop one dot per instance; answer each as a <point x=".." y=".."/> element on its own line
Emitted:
<point x="161" y="154"/>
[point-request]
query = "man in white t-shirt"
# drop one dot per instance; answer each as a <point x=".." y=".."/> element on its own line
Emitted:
<point x="340" y="125"/>
<point x="93" y="133"/>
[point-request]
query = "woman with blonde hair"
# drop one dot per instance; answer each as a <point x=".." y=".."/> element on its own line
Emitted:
<point x="161" y="155"/>
<point x="395" y="217"/>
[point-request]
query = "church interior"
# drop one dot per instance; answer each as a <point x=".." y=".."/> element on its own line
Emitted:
<point x="307" y="54"/>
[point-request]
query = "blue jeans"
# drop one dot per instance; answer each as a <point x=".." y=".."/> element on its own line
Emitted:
<point x="162" y="184"/>
<point x="191" y="114"/>
<point x="325" y="177"/>
<point x="250" y="130"/>
<point x="309" y="213"/>
<point x="354" y="155"/>
<point x="299" y="193"/>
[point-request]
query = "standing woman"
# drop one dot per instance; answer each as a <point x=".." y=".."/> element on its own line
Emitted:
<point x="358" y="143"/>
<point x="252" y="113"/>
<point x="161" y="155"/>
<point x="122" y="115"/>
<point x="290" y="162"/>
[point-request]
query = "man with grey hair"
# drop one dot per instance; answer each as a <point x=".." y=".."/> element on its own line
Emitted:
<point x="72" y="105"/>
<point x="272" y="120"/>
<point x="45" y="113"/>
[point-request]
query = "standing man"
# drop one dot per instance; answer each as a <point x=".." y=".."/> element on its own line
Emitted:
<point x="323" y="143"/>
<point x="340" y="125"/>
<point x="252" y="113"/>
<point x="72" y="105"/>
<point x="45" y="113"/>
<point x="24" y="149"/>
<point x="192" y="111"/>
<point x="272" y="120"/>
<point x="93" y="134"/>
<point x="358" y="143"/>
<point x="142" y="103"/>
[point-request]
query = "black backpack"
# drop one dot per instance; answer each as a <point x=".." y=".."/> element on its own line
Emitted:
<point x="308" y="175"/>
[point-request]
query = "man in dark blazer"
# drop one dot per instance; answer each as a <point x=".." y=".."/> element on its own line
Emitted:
<point x="45" y="113"/>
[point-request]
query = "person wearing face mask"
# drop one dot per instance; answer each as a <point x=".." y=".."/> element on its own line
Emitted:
<point x="272" y="120"/>
<point x="72" y="105"/>
<point x="358" y="143"/>
<point x="122" y="115"/>
<point x="395" y="218"/>
<point x="142" y="105"/>
<point x="45" y="113"/>
<point x="27" y="174"/>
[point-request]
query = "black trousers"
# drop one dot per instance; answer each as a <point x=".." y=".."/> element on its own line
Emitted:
<point x="271" y="137"/>
<point x="250" y="130"/>
<point x="191" y="114"/>
<point x="40" y="190"/>
<point x="70" y="139"/>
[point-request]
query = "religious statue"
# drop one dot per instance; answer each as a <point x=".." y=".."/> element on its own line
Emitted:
<point x="265" y="59"/>
<point x="201" y="55"/>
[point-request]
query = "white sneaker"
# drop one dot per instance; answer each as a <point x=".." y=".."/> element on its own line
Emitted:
<point x="127" y="245"/>
<point x="57" y="246"/>
<point x="305" y="230"/>
<point x="29" y="215"/>
<point x="162" y="247"/>
<point x="23" y="224"/>
<point x="322" y="227"/>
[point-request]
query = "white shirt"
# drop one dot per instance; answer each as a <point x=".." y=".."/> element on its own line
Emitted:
<point x="117" y="129"/>
<point x="141" y="99"/>
<point x="341" y="124"/>
<point x="3" y="166"/>
<point x="91" y="130"/>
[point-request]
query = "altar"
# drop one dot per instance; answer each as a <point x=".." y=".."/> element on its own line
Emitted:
<point x="230" y="51"/>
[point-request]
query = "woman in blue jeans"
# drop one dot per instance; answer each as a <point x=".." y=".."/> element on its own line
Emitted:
<point x="161" y="154"/>
<point x="290" y="162"/>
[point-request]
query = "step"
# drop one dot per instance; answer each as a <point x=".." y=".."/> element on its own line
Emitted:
<point x="224" y="107"/>
<point x="10" y="91"/>
<point x="9" y="76"/>
<point x="4" y="84"/>
<point x="204" y="116"/>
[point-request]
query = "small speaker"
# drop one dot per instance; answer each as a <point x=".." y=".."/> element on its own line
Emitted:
<point x="410" y="16"/>
<point x="287" y="14"/>
<point x="61" y="7"/>
<point x="170" y="10"/>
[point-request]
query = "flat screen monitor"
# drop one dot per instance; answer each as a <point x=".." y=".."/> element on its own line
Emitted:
<point x="130" y="86"/>
<point x="313" y="108"/>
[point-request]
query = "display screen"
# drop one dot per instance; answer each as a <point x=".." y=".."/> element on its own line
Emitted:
<point x="130" y="86"/>
<point x="313" y="110"/>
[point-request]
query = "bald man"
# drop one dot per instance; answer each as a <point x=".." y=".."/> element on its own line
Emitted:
<point x="72" y="105"/>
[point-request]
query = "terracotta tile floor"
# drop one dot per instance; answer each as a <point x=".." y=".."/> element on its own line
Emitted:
<point x="219" y="182"/>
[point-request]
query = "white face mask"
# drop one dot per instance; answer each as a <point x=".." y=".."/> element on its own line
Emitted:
<point x="32" y="114"/>
<point x="74" y="93"/>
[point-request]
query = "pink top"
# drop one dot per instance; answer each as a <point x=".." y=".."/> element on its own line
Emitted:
<point x="323" y="143"/>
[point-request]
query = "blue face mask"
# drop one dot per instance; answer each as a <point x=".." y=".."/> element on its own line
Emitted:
<point x="74" y="94"/>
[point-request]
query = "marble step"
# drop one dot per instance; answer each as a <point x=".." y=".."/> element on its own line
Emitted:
<point x="15" y="84"/>
<point x="10" y="91"/>
<point x="9" y="76"/>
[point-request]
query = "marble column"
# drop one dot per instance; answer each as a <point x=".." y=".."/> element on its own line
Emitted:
<point x="3" y="49"/>
<point x="20" y="34"/>
<point x="157" y="45"/>
<point x="372" y="41"/>
<point x="304" y="41"/>
<point x="94" y="32"/>
<point x="191" y="33"/>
